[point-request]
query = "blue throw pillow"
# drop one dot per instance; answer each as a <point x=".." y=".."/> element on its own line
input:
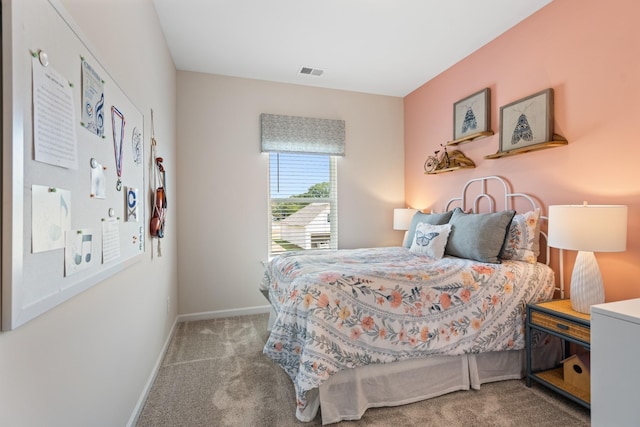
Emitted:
<point x="478" y="236"/>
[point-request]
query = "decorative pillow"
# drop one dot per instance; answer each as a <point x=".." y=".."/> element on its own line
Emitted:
<point x="430" y="239"/>
<point x="428" y="218"/>
<point x="478" y="236"/>
<point x="523" y="238"/>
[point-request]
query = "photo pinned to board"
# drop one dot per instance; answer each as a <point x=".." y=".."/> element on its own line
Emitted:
<point x="92" y="100"/>
<point x="98" y="180"/>
<point x="132" y="204"/>
<point x="136" y="146"/>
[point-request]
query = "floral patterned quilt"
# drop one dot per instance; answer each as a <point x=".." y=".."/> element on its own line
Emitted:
<point x="347" y="308"/>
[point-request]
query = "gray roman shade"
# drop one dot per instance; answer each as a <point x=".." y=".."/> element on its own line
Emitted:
<point x="291" y="134"/>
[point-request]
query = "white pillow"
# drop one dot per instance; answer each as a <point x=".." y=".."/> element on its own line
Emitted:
<point x="430" y="239"/>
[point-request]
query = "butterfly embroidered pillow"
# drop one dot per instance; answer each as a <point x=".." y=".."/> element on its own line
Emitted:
<point x="429" y="218"/>
<point x="430" y="239"/>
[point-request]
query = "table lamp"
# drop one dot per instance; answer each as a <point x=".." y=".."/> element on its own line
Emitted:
<point x="402" y="219"/>
<point x="587" y="229"/>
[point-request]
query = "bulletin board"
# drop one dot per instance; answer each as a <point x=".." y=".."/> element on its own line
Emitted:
<point x="73" y="165"/>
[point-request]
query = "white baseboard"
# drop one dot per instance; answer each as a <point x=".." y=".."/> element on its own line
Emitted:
<point x="133" y="420"/>
<point x="223" y="313"/>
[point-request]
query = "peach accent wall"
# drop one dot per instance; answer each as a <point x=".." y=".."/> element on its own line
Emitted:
<point x="587" y="51"/>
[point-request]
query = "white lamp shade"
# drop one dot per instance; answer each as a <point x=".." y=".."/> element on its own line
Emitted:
<point x="402" y="218"/>
<point x="592" y="228"/>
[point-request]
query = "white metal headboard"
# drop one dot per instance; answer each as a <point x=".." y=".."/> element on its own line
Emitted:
<point x="508" y="202"/>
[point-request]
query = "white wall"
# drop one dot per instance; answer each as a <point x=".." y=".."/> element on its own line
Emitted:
<point x="222" y="186"/>
<point x="85" y="362"/>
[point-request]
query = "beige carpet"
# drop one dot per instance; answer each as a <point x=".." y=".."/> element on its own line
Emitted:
<point x="214" y="374"/>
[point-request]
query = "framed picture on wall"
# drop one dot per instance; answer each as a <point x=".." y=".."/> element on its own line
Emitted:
<point x="527" y="121"/>
<point x="471" y="114"/>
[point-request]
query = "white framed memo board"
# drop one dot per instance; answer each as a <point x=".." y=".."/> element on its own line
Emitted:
<point x="73" y="176"/>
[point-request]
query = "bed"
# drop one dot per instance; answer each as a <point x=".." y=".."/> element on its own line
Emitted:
<point x="370" y="327"/>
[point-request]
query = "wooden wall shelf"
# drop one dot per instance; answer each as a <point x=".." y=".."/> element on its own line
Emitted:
<point x="470" y="138"/>
<point x="455" y="168"/>
<point x="557" y="142"/>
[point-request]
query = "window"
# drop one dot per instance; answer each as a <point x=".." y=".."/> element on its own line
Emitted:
<point x="302" y="202"/>
<point x="302" y="181"/>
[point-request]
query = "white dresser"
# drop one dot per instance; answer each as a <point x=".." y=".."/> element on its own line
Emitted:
<point x="615" y="354"/>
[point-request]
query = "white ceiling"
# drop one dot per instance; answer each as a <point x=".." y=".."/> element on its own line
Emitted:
<point x="387" y="47"/>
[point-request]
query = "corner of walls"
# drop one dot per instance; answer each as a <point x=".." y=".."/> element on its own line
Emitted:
<point x="223" y="241"/>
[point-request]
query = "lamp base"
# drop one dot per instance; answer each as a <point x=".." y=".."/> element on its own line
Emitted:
<point x="587" y="287"/>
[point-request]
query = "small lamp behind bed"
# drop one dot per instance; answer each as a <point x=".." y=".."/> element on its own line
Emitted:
<point x="587" y="229"/>
<point x="402" y="219"/>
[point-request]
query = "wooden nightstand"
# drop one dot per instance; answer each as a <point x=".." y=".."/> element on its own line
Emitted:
<point x="558" y="318"/>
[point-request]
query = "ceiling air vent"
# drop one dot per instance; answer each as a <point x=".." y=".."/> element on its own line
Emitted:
<point x="311" y="71"/>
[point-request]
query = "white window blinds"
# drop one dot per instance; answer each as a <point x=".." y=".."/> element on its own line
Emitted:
<point x="303" y="202"/>
<point x="302" y="181"/>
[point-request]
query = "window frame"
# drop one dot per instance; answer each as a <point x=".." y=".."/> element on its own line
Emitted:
<point x="332" y="200"/>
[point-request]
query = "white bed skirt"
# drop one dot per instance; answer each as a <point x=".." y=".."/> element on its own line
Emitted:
<point x="349" y="393"/>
